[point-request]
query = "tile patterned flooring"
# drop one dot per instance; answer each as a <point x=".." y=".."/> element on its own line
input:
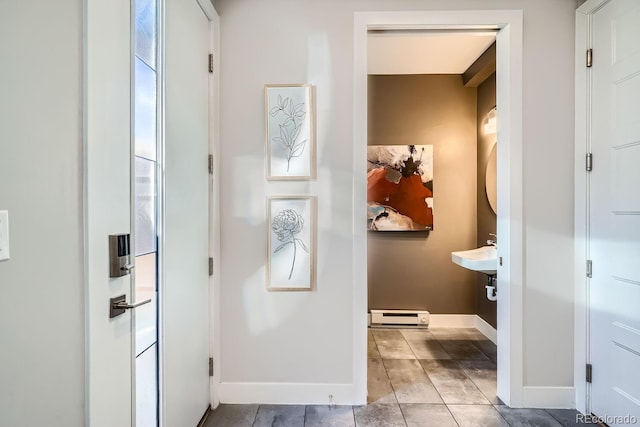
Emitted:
<point x="438" y="377"/>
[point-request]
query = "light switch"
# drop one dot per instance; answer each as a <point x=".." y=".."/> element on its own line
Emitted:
<point x="4" y="235"/>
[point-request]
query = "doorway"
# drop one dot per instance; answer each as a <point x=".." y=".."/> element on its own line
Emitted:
<point x="173" y="253"/>
<point x="431" y="93"/>
<point x="508" y="25"/>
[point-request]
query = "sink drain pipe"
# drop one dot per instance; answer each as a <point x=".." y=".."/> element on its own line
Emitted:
<point x="492" y="294"/>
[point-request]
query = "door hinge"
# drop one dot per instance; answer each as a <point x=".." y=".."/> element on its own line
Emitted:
<point x="210" y="266"/>
<point x="211" y="62"/>
<point x="589" y="162"/>
<point x="210" y="164"/>
<point x="589" y="58"/>
<point x="589" y="268"/>
<point x="211" y="366"/>
<point x="589" y="372"/>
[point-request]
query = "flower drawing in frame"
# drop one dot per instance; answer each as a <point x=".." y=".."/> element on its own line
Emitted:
<point x="289" y="118"/>
<point x="290" y="243"/>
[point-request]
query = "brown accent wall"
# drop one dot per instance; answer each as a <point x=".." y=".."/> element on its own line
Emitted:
<point x="486" y="217"/>
<point x="413" y="270"/>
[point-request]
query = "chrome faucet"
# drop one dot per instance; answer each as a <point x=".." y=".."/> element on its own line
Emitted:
<point x="493" y="242"/>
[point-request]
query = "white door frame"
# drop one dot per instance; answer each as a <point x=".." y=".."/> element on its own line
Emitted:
<point x="510" y="182"/>
<point x="214" y="196"/>
<point x="584" y="17"/>
<point x="106" y="207"/>
<point x="214" y="199"/>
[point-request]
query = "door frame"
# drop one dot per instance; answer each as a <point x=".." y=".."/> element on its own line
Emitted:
<point x="214" y="195"/>
<point x="214" y="199"/>
<point x="583" y="87"/>
<point x="107" y="35"/>
<point x="510" y="221"/>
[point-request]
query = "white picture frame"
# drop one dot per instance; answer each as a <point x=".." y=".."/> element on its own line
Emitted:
<point x="290" y="131"/>
<point x="291" y="236"/>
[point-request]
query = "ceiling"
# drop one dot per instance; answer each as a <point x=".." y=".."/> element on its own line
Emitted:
<point x="425" y="52"/>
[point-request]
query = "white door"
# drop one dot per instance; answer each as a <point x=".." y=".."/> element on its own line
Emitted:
<point x="615" y="212"/>
<point x="107" y="181"/>
<point x="185" y="276"/>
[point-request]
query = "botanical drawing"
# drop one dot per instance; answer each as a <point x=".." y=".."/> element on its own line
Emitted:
<point x="289" y="121"/>
<point x="290" y="231"/>
<point x="286" y="225"/>
<point x="290" y="124"/>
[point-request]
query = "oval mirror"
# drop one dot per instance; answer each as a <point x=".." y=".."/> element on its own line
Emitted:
<point x="490" y="180"/>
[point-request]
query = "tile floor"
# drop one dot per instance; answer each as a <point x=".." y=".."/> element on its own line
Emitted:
<point x="416" y="378"/>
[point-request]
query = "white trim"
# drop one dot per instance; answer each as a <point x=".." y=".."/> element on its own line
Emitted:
<point x="487" y="330"/>
<point x="452" y="321"/>
<point x="464" y="321"/>
<point x="291" y="393"/>
<point x="208" y="9"/>
<point x="214" y="205"/>
<point x="581" y="188"/>
<point x="510" y="179"/>
<point x="549" y="397"/>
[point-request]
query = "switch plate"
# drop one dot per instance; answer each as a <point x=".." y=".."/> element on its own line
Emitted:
<point x="4" y="235"/>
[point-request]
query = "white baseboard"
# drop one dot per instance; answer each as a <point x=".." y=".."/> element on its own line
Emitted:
<point x="290" y="393"/>
<point x="452" y="320"/>
<point x="346" y="394"/>
<point x="549" y="397"/>
<point x="464" y="321"/>
<point x="487" y="330"/>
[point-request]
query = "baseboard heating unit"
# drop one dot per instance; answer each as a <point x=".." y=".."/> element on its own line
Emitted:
<point x="399" y="318"/>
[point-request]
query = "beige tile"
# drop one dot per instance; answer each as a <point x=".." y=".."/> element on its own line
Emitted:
<point x="378" y="385"/>
<point x="483" y="373"/>
<point x="424" y="345"/>
<point x="379" y="415"/>
<point x="280" y="415"/>
<point x="527" y="417"/>
<point x="477" y="416"/>
<point x="329" y="416"/>
<point x="427" y="415"/>
<point x="410" y="383"/>
<point x="232" y="416"/>
<point x="449" y="333"/>
<point x="372" y="348"/>
<point x="452" y="383"/>
<point x="462" y="350"/>
<point x="391" y="344"/>
<point x="488" y="348"/>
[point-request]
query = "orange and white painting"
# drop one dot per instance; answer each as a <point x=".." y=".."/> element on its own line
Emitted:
<point x="400" y="187"/>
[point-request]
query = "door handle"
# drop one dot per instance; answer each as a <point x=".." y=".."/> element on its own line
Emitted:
<point x="118" y="305"/>
<point x="124" y="305"/>
<point x="127" y="268"/>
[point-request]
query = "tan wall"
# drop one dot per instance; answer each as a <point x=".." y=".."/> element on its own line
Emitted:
<point x="413" y="270"/>
<point x="486" y="217"/>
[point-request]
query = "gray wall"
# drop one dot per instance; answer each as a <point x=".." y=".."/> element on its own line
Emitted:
<point x="413" y="270"/>
<point x="257" y="329"/>
<point x="41" y="287"/>
<point x="486" y="217"/>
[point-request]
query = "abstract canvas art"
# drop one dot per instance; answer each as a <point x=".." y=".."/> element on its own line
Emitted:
<point x="400" y="187"/>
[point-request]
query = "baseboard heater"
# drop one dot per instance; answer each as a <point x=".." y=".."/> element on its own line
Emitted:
<point x="399" y="318"/>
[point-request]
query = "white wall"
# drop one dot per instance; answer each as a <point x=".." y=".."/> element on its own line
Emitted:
<point x="41" y="290"/>
<point x="307" y="337"/>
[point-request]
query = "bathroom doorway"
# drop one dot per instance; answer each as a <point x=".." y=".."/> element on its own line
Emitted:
<point x="431" y="115"/>
<point x="508" y="31"/>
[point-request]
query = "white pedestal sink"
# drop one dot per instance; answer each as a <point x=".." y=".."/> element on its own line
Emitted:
<point x="483" y="259"/>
